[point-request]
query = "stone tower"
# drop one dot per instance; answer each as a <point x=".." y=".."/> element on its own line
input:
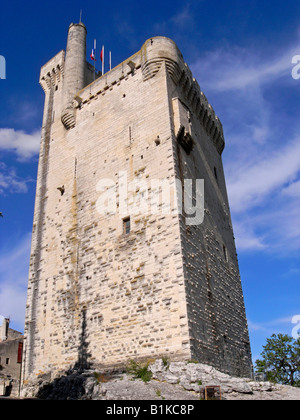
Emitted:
<point x="109" y="286"/>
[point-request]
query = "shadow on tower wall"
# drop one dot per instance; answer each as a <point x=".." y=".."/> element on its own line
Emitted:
<point x="83" y="354"/>
<point x="70" y="386"/>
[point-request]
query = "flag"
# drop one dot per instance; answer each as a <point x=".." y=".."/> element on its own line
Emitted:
<point x="102" y="59"/>
<point x="93" y="55"/>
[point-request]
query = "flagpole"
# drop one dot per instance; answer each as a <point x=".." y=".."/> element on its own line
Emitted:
<point x="109" y="60"/>
<point x="102" y="60"/>
<point x="95" y="59"/>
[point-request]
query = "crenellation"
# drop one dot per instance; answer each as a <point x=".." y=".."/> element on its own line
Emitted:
<point x="52" y="73"/>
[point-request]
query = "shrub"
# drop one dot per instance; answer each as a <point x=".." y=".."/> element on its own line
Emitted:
<point x="139" y="371"/>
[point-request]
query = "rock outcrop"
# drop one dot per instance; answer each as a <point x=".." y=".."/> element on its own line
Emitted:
<point x="170" y="381"/>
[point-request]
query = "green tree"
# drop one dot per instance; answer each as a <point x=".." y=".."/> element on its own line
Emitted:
<point x="281" y="360"/>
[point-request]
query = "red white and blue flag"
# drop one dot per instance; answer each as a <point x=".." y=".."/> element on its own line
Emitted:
<point x="93" y="55"/>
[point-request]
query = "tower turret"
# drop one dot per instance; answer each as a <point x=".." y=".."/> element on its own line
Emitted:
<point x="75" y="64"/>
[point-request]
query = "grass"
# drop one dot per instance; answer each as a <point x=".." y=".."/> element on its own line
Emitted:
<point x="139" y="371"/>
<point x="166" y="362"/>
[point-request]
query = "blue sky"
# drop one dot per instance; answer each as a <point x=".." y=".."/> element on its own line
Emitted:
<point x="241" y="54"/>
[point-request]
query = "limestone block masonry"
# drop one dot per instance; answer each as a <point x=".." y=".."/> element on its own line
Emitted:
<point x="96" y="293"/>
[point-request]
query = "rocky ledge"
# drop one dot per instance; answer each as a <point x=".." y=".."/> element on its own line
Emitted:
<point x="167" y="381"/>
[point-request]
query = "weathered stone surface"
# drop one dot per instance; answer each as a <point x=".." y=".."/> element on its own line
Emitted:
<point x="191" y="381"/>
<point x="98" y="294"/>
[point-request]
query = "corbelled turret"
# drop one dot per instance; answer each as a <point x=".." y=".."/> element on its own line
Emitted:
<point x="74" y="77"/>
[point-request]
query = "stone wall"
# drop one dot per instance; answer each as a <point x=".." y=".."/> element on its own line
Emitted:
<point x="216" y="313"/>
<point x="96" y="293"/>
<point x="9" y="358"/>
<point x="10" y="363"/>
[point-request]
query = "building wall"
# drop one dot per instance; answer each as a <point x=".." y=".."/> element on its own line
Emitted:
<point x="9" y="358"/>
<point x="96" y="294"/>
<point x="10" y="362"/>
<point x="216" y="312"/>
<point x="128" y="289"/>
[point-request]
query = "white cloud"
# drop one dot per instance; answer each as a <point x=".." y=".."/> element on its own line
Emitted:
<point x="183" y="17"/>
<point x="241" y="68"/>
<point x="25" y="146"/>
<point x="283" y="226"/>
<point x="262" y="155"/>
<point x="250" y="184"/>
<point x="14" y="265"/>
<point x="272" y="325"/>
<point x="293" y="190"/>
<point x="255" y="327"/>
<point x="10" y="182"/>
<point x="246" y="239"/>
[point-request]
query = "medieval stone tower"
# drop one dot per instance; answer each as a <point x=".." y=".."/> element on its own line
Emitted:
<point x="105" y="288"/>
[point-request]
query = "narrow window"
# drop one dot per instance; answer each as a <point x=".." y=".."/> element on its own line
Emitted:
<point x="126" y="226"/>
<point x="225" y="253"/>
<point x="216" y="174"/>
<point x="20" y="348"/>
<point x="7" y="360"/>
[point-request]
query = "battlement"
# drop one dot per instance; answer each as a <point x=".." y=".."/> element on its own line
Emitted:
<point x="153" y="54"/>
<point x="52" y="73"/>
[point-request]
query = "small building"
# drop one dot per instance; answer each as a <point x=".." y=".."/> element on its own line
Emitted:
<point x="11" y="345"/>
